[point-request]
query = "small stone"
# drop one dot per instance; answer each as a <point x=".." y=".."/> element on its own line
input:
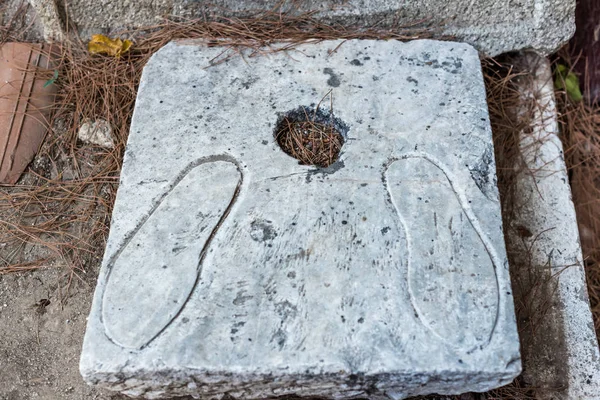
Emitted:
<point x="98" y="133"/>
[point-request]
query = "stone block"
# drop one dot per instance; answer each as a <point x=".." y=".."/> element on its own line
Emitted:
<point x="493" y="27"/>
<point x="232" y="268"/>
<point x="558" y="339"/>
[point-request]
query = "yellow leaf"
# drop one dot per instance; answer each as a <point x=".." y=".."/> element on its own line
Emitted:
<point x="126" y="46"/>
<point x="101" y="44"/>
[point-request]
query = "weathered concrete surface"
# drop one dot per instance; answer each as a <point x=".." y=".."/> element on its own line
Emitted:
<point x="491" y="26"/>
<point x="50" y="19"/>
<point x="560" y="351"/>
<point x="232" y="268"/>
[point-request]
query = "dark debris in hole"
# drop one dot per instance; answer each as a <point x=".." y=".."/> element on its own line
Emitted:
<point x="311" y="136"/>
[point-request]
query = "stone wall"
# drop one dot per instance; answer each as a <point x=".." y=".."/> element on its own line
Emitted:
<point x="491" y="26"/>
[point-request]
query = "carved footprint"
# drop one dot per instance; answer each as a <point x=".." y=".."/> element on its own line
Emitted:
<point x="154" y="273"/>
<point x="451" y="267"/>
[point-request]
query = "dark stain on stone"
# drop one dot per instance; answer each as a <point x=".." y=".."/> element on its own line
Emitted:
<point x="412" y="80"/>
<point x="333" y="80"/>
<point x="453" y="65"/>
<point x="262" y="230"/>
<point x="356" y="62"/>
<point x="249" y="83"/>
<point x="286" y="310"/>
<point x="265" y="142"/>
<point x="333" y="168"/>
<point x="300" y="255"/>
<point x="385" y="230"/>
<point x="483" y="175"/>
<point x="279" y="337"/>
<point x="240" y="299"/>
<point x="523" y="231"/>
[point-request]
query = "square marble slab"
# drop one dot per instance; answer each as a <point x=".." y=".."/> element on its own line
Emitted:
<point x="231" y="268"/>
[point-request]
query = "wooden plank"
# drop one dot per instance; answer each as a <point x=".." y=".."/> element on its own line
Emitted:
<point x="25" y="105"/>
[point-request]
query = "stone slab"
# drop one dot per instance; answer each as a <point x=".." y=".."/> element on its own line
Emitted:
<point x="491" y="26"/>
<point x="232" y="268"/>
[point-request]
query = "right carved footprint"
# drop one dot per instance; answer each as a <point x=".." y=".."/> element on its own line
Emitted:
<point x="451" y="274"/>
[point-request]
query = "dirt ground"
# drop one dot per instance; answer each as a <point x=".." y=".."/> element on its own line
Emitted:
<point x="41" y="325"/>
<point x="42" y="336"/>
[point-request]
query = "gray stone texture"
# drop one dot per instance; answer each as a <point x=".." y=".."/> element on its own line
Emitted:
<point x="50" y="19"/>
<point x="491" y="26"/>
<point x="232" y="268"/>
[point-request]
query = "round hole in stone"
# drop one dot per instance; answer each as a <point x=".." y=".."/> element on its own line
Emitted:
<point x="314" y="137"/>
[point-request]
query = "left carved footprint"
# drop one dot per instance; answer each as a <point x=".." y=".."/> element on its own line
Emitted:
<point x="451" y="273"/>
<point x="154" y="273"/>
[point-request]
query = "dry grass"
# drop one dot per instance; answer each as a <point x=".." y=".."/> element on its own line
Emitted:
<point x="503" y="96"/>
<point x="17" y="21"/>
<point x="510" y="115"/>
<point x="310" y="142"/>
<point x="12" y="22"/>
<point x="310" y="136"/>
